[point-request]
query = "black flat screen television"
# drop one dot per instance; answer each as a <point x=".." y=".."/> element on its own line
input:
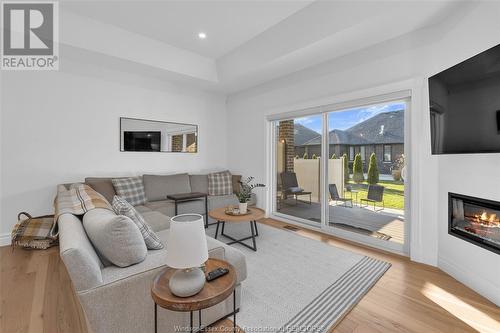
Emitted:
<point x="465" y="106"/>
<point x="141" y="141"/>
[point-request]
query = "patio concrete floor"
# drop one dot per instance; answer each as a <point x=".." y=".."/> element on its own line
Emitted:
<point x="387" y="224"/>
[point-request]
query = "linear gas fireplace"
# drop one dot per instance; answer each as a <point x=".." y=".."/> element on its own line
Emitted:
<point x="475" y="220"/>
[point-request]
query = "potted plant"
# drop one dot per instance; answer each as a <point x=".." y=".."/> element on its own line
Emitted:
<point x="245" y="194"/>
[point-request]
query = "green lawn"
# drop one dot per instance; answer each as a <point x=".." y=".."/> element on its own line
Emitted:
<point x="393" y="193"/>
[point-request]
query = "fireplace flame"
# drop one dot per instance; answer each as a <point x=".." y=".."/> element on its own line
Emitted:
<point x="488" y="220"/>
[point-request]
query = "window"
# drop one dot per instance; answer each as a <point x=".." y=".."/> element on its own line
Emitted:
<point x="362" y="152"/>
<point x="387" y="153"/>
<point x="351" y="153"/>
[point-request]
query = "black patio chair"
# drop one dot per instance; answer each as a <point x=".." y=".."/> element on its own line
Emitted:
<point x="291" y="186"/>
<point x="375" y="195"/>
<point x="334" y="194"/>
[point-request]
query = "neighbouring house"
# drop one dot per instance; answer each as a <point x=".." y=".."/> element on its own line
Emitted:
<point x="302" y="134"/>
<point x="382" y="134"/>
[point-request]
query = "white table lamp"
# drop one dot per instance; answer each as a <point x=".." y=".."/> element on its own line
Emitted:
<point x="187" y="251"/>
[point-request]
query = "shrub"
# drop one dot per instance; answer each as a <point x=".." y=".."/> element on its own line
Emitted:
<point x="357" y="169"/>
<point x="305" y="156"/>
<point x="373" y="173"/>
<point x="314" y="157"/>
<point x="396" y="175"/>
<point x="346" y="168"/>
<point x="397" y="168"/>
<point x="296" y="157"/>
<point x="334" y="157"/>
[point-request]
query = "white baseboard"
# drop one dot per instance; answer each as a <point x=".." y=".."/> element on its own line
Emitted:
<point x="4" y="239"/>
<point x="472" y="280"/>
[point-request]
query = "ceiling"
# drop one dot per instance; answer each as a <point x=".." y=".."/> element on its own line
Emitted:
<point x="248" y="42"/>
<point x="228" y="24"/>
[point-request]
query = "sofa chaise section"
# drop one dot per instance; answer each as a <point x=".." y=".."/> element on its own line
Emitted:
<point x="116" y="299"/>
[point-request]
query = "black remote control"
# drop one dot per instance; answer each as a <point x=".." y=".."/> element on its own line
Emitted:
<point x="217" y="273"/>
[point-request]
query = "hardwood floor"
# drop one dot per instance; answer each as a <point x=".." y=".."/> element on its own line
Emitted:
<point x="36" y="296"/>
<point x="412" y="297"/>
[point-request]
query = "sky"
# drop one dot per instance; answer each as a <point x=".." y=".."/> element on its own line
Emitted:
<point x="347" y="118"/>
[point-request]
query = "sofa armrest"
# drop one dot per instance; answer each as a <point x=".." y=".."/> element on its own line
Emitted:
<point x="134" y="283"/>
<point x="126" y="306"/>
<point x="232" y="255"/>
<point x="78" y="254"/>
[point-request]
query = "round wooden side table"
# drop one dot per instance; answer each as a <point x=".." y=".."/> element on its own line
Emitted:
<point x="254" y="214"/>
<point x="212" y="293"/>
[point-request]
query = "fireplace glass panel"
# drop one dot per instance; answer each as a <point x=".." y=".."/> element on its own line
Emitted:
<point x="476" y="220"/>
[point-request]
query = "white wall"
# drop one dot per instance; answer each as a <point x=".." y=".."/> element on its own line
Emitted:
<point x="415" y="57"/>
<point x="475" y="175"/>
<point x="59" y="127"/>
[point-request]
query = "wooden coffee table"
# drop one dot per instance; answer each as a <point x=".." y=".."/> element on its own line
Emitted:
<point x="212" y="293"/>
<point x="220" y="215"/>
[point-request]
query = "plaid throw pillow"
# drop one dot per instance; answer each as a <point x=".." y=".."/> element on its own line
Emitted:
<point x="130" y="189"/>
<point x="124" y="208"/>
<point x="220" y="183"/>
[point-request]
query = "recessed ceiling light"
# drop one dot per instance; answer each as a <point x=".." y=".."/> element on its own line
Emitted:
<point x="202" y="35"/>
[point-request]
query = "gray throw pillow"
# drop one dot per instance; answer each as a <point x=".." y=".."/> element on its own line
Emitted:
<point x="122" y="207"/>
<point x="131" y="189"/>
<point x="116" y="238"/>
<point x="220" y="183"/>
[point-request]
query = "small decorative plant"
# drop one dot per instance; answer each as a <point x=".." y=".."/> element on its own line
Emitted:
<point x="247" y="187"/>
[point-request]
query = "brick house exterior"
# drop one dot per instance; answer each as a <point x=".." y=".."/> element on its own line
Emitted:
<point x="286" y="136"/>
<point x="382" y="134"/>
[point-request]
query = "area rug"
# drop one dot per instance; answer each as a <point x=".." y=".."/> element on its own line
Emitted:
<point x="297" y="284"/>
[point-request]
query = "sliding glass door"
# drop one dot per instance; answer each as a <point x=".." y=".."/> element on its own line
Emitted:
<point x="344" y="171"/>
<point x="366" y="172"/>
<point x="298" y="168"/>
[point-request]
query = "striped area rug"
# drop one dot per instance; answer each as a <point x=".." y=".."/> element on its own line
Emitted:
<point x="297" y="284"/>
<point x="337" y="300"/>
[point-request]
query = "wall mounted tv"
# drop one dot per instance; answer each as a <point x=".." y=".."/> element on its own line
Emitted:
<point x="141" y="141"/>
<point x="465" y="106"/>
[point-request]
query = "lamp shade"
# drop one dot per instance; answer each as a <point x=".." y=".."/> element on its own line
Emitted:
<point x="187" y="242"/>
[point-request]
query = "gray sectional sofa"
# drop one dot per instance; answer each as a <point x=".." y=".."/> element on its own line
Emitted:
<point x="157" y="187"/>
<point x="116" y="299"/>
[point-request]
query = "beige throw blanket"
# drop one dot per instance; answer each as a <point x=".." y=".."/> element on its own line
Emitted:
<point x="77" y="200"/>
<point x="33" y="232"/>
